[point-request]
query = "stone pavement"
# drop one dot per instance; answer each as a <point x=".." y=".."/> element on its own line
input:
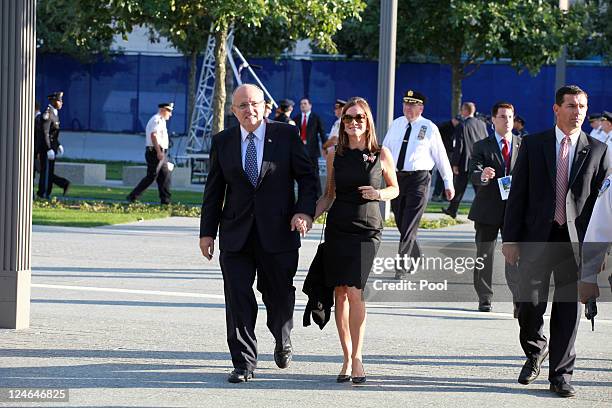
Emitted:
<point x="132" y="315"/>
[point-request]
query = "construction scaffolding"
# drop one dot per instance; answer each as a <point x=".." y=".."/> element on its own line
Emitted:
<point x="200" y="129"/>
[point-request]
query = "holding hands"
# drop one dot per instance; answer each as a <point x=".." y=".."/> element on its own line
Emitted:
<point x="302" y="223"/>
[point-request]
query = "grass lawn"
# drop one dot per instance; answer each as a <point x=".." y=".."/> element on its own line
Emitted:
<point x="77" y="218"/>
<point x="114" y="169"/>
<point x="183" y="197"/>
<point x="119" y="193"/>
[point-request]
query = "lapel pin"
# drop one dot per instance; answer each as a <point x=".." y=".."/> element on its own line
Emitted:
<point x="269" y="140"/>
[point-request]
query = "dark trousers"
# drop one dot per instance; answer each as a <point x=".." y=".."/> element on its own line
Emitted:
<point x="315" y="163"/>
<point x="460" y="183"/>
<point x="275" y="272"/>
<point x="559" y="260"/>
<point x="408" y="208"/>
<point x="438" y="185"/>
<point x="155" y="172"/>
<point x="47" y="177"/>
<point x="486" y="240"/>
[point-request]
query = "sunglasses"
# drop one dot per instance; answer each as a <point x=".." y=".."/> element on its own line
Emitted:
<point x="359" y="118"/>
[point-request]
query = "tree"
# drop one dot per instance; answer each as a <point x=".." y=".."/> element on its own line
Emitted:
<point x="317" y="20"/>
<point x="465" y="33"/>
<point x="82" y="28"/>
<point x="186" y="24"/>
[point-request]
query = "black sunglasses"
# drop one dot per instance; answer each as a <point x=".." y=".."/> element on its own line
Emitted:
<point x="359" y="118"/>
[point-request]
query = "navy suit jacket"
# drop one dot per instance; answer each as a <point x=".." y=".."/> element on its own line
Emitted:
<point x="233" y="206"/>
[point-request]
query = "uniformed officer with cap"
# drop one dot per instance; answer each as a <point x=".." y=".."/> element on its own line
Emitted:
<point x="48" y="147"/>
<point x="606" y="128"/>
<point x="595" y="122"/>
<point x="332" y="138"/>
<point x="283" y="112"/>
<point x="156" y="155"/>
<point x="416" y="146"/>
<point x="596" y="244"/>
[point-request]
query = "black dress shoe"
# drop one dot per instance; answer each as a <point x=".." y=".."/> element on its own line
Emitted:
<point x="445" y="211"/>
<point x="342" y="378"/>
<point x="563" y="389"/>
<point x="240" y="375"/>
<point x="283" y="355"/>
<point x="531" y="369"/>
<point x="484" y="307"/>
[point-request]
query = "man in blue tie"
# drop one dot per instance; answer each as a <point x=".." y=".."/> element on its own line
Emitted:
<point x="249" y="197"/>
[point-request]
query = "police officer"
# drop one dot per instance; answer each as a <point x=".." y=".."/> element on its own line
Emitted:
<point x="48" y="147"/>
<point x="416" y="146"/>
<point x="596" y="243"/>
<point x="283" y="112"/>
<point x="595" y="122"/>
<point x="332" y="138"/>
<point x="156" y="155"/>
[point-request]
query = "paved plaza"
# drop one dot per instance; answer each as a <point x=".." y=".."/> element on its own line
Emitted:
<point x="132" y="315"/>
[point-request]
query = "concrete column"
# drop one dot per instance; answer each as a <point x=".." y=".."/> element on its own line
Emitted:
<point x="386" y="75"/>
<point x="386" y="66"/>
<point x="17" y="76"/>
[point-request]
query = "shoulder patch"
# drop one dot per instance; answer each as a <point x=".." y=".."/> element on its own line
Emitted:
<point x="604" y="186"/>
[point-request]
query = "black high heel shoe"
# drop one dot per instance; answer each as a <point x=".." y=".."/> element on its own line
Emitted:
<point x="360" y="380"/>
<point x="342" y="378"/>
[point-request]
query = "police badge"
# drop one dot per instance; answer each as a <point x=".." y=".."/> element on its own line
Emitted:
<point x="422" y="132"/>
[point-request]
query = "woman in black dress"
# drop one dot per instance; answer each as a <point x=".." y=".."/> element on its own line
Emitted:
<point x="355" y="173"/>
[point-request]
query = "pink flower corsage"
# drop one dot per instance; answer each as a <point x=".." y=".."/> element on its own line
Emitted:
<point x="369" y="158"/>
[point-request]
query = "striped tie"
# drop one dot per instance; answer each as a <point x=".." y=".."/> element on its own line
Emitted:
<point x="562" y="181"/>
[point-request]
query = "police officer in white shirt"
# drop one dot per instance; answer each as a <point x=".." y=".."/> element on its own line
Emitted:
<point x="156" y="155"/>
<point x="596" y="244"/>
<point x="606" y="128"/>
<point x="416" y="146"/>
<point x="595" y="122"/>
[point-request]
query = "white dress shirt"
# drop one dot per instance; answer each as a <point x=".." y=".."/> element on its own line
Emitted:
<point x="157" y="124"/>
<point x="572" y="150"/>
<point x="260" y="135"/>
<point x="425" y="148"/>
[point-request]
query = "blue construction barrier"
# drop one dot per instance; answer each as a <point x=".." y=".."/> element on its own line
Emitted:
<point x="121" y="93"/>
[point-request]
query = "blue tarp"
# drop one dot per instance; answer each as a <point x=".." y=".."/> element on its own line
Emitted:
<point x="121" y="93"/>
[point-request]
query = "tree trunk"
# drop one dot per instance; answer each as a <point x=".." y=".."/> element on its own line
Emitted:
<point x="220" y="65"/>
<point x="229" y="88"/>
<point x="457" y="76"/>
<point x="193" y="69"/>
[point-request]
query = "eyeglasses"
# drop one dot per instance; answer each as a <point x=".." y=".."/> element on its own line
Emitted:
<point x="245" y="105"/>
<point x="359" y="118"/>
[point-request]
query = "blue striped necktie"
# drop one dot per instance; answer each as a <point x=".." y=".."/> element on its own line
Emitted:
<point x="250" y="161"/>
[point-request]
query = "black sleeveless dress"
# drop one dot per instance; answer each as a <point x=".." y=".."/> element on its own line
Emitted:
<point x="354" y="224"/>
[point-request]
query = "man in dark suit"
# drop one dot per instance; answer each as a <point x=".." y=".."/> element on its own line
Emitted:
<point x="493" y="158"/>
<point x="470" y="131"/>
<point x="555" y="184"/>
<point x="249" y="196"/>
<point x="312" y="133"/>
